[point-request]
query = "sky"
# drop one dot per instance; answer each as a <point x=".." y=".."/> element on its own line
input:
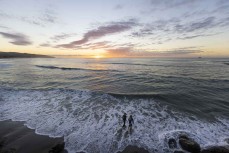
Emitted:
<point x="117" y="28"/>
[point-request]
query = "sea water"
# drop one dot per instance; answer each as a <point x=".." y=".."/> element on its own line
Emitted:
<point x="83" y="100"/>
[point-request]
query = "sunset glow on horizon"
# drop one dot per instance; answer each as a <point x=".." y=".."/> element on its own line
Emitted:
<point x="107" y="29"/>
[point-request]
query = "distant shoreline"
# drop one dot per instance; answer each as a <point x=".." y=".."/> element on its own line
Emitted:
<point x="4" y="55"/>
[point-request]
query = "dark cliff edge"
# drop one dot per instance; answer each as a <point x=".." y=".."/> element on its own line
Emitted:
<point x="21" y="55"/>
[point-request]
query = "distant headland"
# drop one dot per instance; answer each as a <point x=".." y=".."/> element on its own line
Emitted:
<point x="21" y="55"/>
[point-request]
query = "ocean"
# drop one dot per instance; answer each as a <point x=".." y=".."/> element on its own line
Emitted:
<point x="83" y="100"/>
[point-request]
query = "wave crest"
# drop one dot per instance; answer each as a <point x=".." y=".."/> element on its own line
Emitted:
<point x="68" y="68"/>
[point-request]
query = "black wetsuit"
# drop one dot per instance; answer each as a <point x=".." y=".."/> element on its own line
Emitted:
<point x="124" y="119"/>
<point x="131" y="121"/>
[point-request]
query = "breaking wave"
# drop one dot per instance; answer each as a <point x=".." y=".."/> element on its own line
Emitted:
<point x="91" y="121"/>
<point x="68" y="68"/>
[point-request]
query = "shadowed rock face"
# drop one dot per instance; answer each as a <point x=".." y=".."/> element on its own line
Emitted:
<point x="227" y="140"/>
<point x="133" y="149"/>
<point x="216" y="149"/>
<point x="189" y="144"/>
<point x="172" y="143"/>
<point x="178" y="151"/>
<point x="59" y="148"/>
<point x="17" y="138"/>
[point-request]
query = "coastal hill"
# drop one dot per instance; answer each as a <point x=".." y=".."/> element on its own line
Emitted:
<point x="21" y="55"/>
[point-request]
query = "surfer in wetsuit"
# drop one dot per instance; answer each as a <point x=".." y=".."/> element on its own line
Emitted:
<point x="124" y="120"/>
<point x="131" y="122"/>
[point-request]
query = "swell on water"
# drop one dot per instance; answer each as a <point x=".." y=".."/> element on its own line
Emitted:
<point x="146" y="65"/>
<point x="68" y="68"/>
<point x="91" y="121"/>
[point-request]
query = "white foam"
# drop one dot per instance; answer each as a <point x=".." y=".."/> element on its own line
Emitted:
<point x="91" y="122"/>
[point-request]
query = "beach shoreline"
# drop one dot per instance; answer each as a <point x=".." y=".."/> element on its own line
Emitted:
<point x="16" y="137"/>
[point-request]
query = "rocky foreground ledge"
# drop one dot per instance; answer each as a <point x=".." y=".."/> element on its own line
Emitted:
<point x="17" y="138"/>
<point x="186" y="144"/>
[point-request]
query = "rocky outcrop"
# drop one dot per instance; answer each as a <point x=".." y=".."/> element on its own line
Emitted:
<point x="188" y="144"/>
<point x="59" y="148"/>
<point x="226" y="140"/>
<point x="216" y="149"/>
<point x="134" y="149"/>
<point x="172" y="143"/>
<point x="178" y="151"/>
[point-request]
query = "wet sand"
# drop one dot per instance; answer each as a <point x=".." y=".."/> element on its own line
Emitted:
<point x="17" y="138"/>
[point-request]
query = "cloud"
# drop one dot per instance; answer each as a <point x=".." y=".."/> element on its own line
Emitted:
<point x="179" y="52"/>
<point x="48" y="16"/>
<point x="121" y="51"/>
<point x="4" y="15"/>
<point x="47" y="44"/>
<point x="169" y="4"/>
<point x="101" y="31"/>
<point x="132" y="52"/>
<point x="98" y="45"/>
<point x="3" y="27"/>
<point x="118" y="7"/>
<point x="56" y="39"/>
<point x="20" y="18"/>
<point x="176" y="25"/>
<point x="17" y="38"/>
<point x="157" y="26"/>
<point x="30" y="21"/>
<point x="105" y="45"/>
<point x="161" y="31"/>
<point x="61" y="36"/>
<point x="222" y="2"/>
<point x="196" y="36"/>
<point x="203" y="24"/>
<point x="193" y="20"/>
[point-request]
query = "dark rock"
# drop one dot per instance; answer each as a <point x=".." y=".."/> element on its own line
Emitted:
<point x="182" y="136"/>
<point x="133" y="149"/>
<point x="172" y="143"/>
<point x="226" y="140"/>
<point x="178" y="151"/>
<point x="216" y="149"/>
<point x="59" y="148"/>
<point x="10" y="150"/>
<point x="2" y="142"/>
<point x="188" y="144"/>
